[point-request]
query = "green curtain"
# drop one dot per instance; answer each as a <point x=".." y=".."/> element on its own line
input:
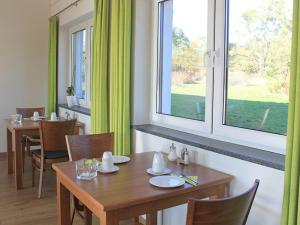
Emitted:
<point x="52" y="64"/>
<point x="119" y="76"/>
<point x="111" y="61"/>
<point x="99" y="104"/>
<point x="291" y="201"/>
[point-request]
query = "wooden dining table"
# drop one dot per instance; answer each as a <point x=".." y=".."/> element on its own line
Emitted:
<point x="14" y="135"/>
<point x="128" y="193"/>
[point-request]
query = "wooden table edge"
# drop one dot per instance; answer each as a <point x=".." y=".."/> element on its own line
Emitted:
<point x="69" y="183"/>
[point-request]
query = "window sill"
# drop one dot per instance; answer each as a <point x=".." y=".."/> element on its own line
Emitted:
<point x="76" y="108"/>
<point x="254" y="155"/>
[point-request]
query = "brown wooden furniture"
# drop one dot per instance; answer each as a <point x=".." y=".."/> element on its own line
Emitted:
<point x="128" y="193"/>
<point x="14" y="134"/>
<point x="228" y="211"/>
<point x="28" y="112"/>
<point x="34" y="140"/>
<point x="53" y="146"/>
<point x="87" y="146"/>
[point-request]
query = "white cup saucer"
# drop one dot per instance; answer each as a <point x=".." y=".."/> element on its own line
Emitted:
<point x="114" y="169"/>
<point x="166" y="171"/>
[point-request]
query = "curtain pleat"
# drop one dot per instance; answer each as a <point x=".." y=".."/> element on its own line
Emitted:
<point x="52" y="64"/>
<point x="111" y="69"/>
<point x="99" y="76"/>
<point x="120" y="74"/>
<point x="291" y="201"/>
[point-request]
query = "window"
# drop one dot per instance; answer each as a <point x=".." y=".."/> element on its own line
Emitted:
<point x="183" y="48"/>
<point x="257" y="64"/>
<point x="222" y="68"/>
<point x="80" y="61"/>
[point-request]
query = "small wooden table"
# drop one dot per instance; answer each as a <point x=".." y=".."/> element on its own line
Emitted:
<point x="128" y="193"/>
<point x="14" y="134"/>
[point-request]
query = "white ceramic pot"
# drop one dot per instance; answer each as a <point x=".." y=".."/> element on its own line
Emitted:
<point x="70" y="101"/>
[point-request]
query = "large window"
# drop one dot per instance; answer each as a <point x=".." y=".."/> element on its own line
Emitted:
<point x="80" y="61"/>
<point x="225" y="66"/>
<point x="183" y="48"/>
<point x="257" y="64"/>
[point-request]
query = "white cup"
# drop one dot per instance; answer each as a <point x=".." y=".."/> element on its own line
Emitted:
<point x="36" y="116"/>
<point x="53" y="116"/>
<point x="158" y="163"/>
<point x="107" y="161"/>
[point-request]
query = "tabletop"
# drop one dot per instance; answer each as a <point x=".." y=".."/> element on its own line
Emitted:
<point x="130" y="185"/>
<point x="28" y="124"/>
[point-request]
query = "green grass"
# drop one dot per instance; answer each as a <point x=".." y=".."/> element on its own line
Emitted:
<point x="259" y="110"/>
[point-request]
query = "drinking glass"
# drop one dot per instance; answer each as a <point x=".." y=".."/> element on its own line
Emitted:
<point x="86" y="169"/>
<point x="16" y="119"/>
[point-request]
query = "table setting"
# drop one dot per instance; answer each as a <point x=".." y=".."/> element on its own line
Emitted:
<point x="160" y="175"/>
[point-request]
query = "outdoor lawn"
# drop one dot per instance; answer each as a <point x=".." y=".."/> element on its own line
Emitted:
<point x="260" y="110"/>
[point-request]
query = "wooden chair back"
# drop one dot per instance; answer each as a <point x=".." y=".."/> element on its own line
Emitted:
<point x="89" y="146"/>
<point x="28" y="112"/>
<point x="53" y="134"/>
<point x="228" y="211"/>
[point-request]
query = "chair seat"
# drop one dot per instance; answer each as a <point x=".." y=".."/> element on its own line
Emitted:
<point x="51" y="154"/>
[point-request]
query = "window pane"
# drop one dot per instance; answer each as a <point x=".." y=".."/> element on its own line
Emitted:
<point x="258" y="48"/>
<point x="182" y="45"/>
<point x="78" y="63"/>
<point x="91" y="55"/>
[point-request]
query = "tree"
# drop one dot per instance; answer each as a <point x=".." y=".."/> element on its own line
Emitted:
<point x="266" y="50"/>
<point x="187" y="57"/>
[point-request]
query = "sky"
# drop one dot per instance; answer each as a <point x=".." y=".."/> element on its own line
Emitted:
<point x="187" y="12"/>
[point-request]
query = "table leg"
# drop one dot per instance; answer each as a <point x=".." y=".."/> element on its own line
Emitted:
<point x="9" y="151"/>
<point x="151" y="218"/>
<point x="221" y="192"/>
<point x="63" y="204"/>
<point x="18" y="162"/>
<point x="109" y="218"/>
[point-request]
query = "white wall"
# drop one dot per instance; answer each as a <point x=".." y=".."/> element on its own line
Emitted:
<point x="23" y="57"/>
<point x="141" y="62"/>
<point x="267" y="205"/>
<point x="141" y="45"/>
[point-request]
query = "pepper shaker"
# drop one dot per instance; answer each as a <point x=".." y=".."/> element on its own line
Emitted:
<point x="185" y="158"/>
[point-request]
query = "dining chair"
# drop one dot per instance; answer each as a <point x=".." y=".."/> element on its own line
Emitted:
<point x="53" y="147"/>
<point x="33" y="140"/>
<point x="28" y="112"/>
<point x="227" y="211"/>
<point x="88" y="146"/>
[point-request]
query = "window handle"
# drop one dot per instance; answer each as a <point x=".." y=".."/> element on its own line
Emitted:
<point x="210" y="58"/>
<point x="207" y="59"/>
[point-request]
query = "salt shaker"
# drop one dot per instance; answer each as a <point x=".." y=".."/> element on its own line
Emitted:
<point x="172" y="156"/>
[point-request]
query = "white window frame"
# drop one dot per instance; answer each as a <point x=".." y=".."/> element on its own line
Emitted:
<point x="184" y="124"/>
<point x="87" y="25"/>
<point x="213" y="126"/>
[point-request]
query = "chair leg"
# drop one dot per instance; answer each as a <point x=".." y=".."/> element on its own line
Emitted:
<point x="87" y="216"/>
<point x="28" y="147"/>
<point x="73" y="215"/>
<point x="41" y="178"/>
<point x="23" y="156"/>
<point x="33" y="172"/>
